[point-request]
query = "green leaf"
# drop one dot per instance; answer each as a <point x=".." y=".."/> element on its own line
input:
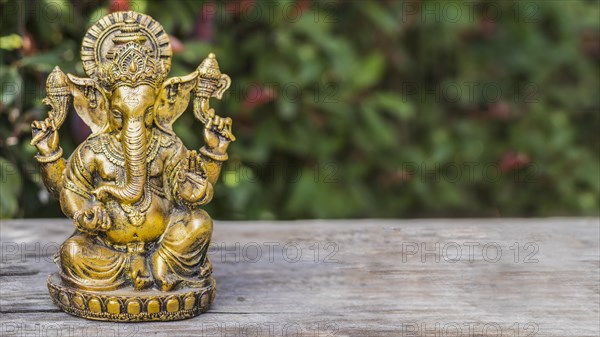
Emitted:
<point x="11" y="85"/>
<point x="370" y="71"/>
<point x="10" y="188"/>
<point x="392" y="103"/>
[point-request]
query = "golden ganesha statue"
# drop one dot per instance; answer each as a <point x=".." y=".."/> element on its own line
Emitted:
<point x="134" y="192"/>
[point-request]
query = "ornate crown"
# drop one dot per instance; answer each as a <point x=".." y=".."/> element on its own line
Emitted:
<point x="126" y="48"/>
<point x="130" y="62"/>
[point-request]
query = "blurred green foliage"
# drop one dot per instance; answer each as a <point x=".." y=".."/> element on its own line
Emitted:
<point x="348" y="109"/>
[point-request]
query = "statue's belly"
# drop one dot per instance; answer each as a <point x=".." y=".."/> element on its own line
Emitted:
<point x="131" y="227"/>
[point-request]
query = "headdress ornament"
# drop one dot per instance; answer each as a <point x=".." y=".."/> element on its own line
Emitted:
<point x="126" y="48"/>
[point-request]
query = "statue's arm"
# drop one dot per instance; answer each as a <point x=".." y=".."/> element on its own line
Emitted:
<point x="77" y="186"/>
<point x="52" y="176"/>
<point x="76" y="198"/>
<point x="50" y="155"/>
<point x="45" y="132"/>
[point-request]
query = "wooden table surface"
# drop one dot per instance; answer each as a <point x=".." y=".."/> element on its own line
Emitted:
<point x="477" y="277"/>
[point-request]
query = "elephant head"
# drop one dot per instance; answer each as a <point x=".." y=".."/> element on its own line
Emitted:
<point x="127" y="93"/>
<point x="130" y="119"/>
<point x="129" y="112"/>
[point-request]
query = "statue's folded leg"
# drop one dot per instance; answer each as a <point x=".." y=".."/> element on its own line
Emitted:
<point x="181" y="253"/>
<point x="85" y="262"/>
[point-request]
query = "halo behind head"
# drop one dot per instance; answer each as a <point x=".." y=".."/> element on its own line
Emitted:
<point x="115" y="31"/>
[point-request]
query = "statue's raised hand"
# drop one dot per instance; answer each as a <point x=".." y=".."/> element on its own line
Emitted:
<point x="192" y="185"/>
<point x="217" y="132"/>
<point x="45" y="136"/>
<point x="92" y="220"/>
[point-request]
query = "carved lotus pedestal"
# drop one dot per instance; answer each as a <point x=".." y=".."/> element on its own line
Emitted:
<point x="127" y="305"/>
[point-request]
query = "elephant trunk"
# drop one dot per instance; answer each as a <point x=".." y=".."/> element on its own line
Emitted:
<point x="134" y="147"/>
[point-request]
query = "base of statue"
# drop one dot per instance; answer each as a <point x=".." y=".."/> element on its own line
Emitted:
<point x="127" y="305"/>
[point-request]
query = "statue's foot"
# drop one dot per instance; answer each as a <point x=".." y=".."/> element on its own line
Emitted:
<point x="142" y="282"/>
<point x="167" y="282"/>
<point x="206" y="269"/>
<point x="164" y="278"/>
<point x="139" y="273"/>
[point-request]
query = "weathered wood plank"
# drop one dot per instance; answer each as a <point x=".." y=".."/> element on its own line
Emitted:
<point x="369" y="278"/>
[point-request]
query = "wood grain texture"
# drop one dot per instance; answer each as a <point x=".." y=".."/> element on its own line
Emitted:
<point x="369" y="278"/>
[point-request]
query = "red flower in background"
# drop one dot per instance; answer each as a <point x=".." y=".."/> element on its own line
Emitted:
<point x="257" y="95"/>
<point x="590" y="43"/>
<point x="514" y="161"/>
<point x="176" y="44"/>
<point x="500" y="110"/>
<point x="118" y="5"/>
<point x="239" y="7"/>
<point x="303" y="5"/>
<point x="205" y="24"/>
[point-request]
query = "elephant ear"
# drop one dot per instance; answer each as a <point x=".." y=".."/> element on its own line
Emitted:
<point x="90" y="102"/>
<point x="173" y="99"/>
